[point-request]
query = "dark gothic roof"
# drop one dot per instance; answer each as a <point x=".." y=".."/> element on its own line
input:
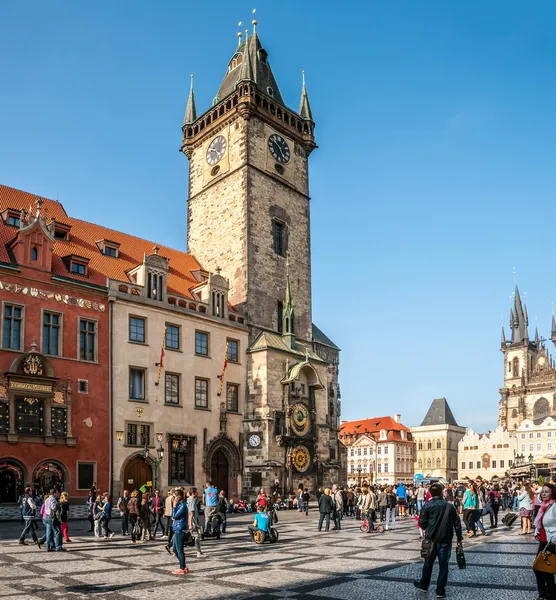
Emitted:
<point x="439" y="414"/>
<point x="320" y="338"/>
<point x="257" y="70"/>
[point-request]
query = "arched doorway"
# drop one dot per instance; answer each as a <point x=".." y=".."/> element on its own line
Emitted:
<point x="219" y="470"/>
<point x="50" y="475"/>
<point x="11" y="481"/>
<point x="136" y="473"/>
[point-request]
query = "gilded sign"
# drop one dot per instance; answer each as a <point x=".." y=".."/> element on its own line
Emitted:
<point x="36" y="293"/>
<point x="35" y="387"/>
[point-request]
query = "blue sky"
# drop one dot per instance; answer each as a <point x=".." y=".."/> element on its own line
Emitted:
<point x="435" y="175"/>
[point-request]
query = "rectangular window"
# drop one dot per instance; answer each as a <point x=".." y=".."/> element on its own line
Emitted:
<point x="522" y="436"/>
<point x="539" y="434"/>
<point x="531" y="447"/>
<point x="87" y="340"/>
<point x="13" y="323"/>
<point x="4" y="417"/>
<point x="385" y="449"/>
<point x="201" y="343"/>
<point x="172" y="393"/>
<point x="501" y="464"/>
<point x="256" y="480"/>
<point x="332" y="453"/>
<point x="233" y="351"/>
<point x="201" y="393"/>
<point x="172" y="337"/>
<point x="530" y="436"/>
<point x="110" y="251"/>
<point x="380" y="467"/>
<point x="181" y="461"/>
<point x="138" y="434"/>
<point x="280" y="316"/>
<point x="549" y="434"/>
<point x="29" y="416"/>
<point x="522" y="447"/>
<point x="365" y="451"/>
<point x="462" y="466"/>
<point x="232" y="397"/>
<point x="13" y="221"/>
<point x="78" y="268"/>
<point x="358" y="451"/>
<point x="58" y="421"/>
<point x="86" y="475"/>
<point x="137" y="329"/>
<point x="83" y="386"/>
<point x="379" y="451"/>
<point x="51" y="333"/>
<point x="278" y="230"/>
<point x="386" y="467"/>
<point x="538" y="447"/>
<point x="136" y="384"/>
<point x="279" y="424"/>
<point x="493" y="464"/>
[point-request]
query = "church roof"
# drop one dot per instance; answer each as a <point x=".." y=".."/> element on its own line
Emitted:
<point x="321" y="338"/>
<point x="274" y="341"/>
<point x="83" y="240"/>
<point x="260" y="71"/>
<point x="439" y="413"/>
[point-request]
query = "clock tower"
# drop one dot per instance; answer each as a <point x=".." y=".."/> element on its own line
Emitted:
<point x="248" y="206"/>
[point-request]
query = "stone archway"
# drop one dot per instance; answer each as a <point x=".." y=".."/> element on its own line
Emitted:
<point x="51" y="474"/>
<point x="12" y="479"/>
<point x="135" y="472"/>
<point x="223" y="462"/>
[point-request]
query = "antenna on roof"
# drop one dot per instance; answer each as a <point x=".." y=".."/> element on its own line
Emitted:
<point x="254" y="21"/>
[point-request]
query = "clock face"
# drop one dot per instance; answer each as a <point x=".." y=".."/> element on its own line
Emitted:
<point x="216" y="150"/>
<point x="300" y="459"/>
<point x="254" y="440"/>
<point x="279" y="148"/>
<point x="300" y="419"/>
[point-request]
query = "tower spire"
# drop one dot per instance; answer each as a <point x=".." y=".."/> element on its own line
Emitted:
<point x="245" y="71"/>
<point x="304" y="106"/>
<point x="503" y="338"/>
<point x="190" y="111"/>
<point x="288" y="318"/>
<point x="553" y="336"/>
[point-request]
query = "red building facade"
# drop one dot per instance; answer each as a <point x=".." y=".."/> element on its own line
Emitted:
<point x="54" y="352"/>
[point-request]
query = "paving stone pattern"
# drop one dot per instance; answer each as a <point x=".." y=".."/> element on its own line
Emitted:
<point x="304" y="564"/>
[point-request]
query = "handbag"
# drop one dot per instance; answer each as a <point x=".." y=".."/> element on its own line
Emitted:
<point x="460" y="558"/>
<point x="545" y="561"/>
<point x="427" y="544"/>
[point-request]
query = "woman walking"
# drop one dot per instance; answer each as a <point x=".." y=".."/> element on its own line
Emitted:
<point x="469" y="505"/>
<point x="326" y="506"/>
<point x="146" y="517"/>
<point x="64" y="515"/>
<point x="107" y="509"/>
<point x="98" y="515"/>
<point x="179" y="514"/>
<point x="133" y="508"/>
<point x="525" y="499"/>
<point x="494" y="498"/>
<point x="390" y="509"/>
<point x="545" y="533"/>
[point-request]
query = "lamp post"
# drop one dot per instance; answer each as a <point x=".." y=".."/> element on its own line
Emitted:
<point x="155" y="462"/>
<point x="359" y="469"/>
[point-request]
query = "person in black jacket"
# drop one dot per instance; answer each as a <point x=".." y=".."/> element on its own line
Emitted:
<point x="430" y="520"/>
<point x="326" y="507"/>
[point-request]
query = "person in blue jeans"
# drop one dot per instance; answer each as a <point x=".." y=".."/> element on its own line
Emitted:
<point x="261" y="522"/>
<point x="53" y="524"/>
<point x="210" y="498"/>
<point x="440" y="530"/>
<point x="179" y="514"/>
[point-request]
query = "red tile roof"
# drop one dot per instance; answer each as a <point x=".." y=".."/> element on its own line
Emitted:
<point x="82" y="242"/>
<point x="371" y="426"/>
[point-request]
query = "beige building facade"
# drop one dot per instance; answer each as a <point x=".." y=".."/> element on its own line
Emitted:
<point x="486" y="456"/>
<point x="173" y="411"/>
<point x="437" y="440"/>
<point x="536" y="439"/>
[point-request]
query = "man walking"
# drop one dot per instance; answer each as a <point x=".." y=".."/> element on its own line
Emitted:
<point x="439" y="519"/>
<point x="211" y="503"/>
<point x="158" y="507"/>
<point x="421" y="495"/>
<point x="123" y="501"/>
<point x="29" y="508"/>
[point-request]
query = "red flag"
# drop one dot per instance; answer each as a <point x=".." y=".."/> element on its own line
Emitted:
<point x="162" y="354"/>
<point x="221" y="376"/>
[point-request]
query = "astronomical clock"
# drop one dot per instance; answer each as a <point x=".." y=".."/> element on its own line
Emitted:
<point x="300" y="445"/>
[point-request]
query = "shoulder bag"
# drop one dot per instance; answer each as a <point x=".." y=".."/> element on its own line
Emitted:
<point x="546" y="560"/>
<point x="427" y="544"/>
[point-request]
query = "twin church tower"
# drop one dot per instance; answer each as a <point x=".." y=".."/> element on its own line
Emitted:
<point x="249" y="220"/>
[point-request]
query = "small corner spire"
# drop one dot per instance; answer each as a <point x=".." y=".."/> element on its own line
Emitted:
<point x="254" y="21"/>
<point x="239" y="34"/>
<point x="304" y="105"/>
<point x="190" y="111"/>
<point x="245" y="71"/>
<point x="503" y="338"/>
<point x="553" y="336"/>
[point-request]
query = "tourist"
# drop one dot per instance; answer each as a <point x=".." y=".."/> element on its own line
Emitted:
<point x="261" y="522"/>
<point x="300" y="498"/>
<point x="439" y="527"/>
<point x="64" y="515"/>
<point x="469" y="505"/>
<point x="401" y="498"/>
<point x="305" y="502"/>
<point x="222" y="509"/>
<point x="107" y="510"/>
<point x="390" y="509"/>
<point x="338" y="500"/>
<point x="52" y="521"/>
<point x="261" y="498"/>
<point x="98" y="515"/>
<point x="494" y="498"/>
<point x="382" y="502"/>
<point x="134" y="519"/>
<point x="158" y="507"/>
<point x="145" y="512"/>
<point x="179" y="515"/>
<point x="29" y="509"/>
<point x="525" y="499"/>
<point x="193" y="519"/>
<point x="91" y="516"/>
<point x="210" y="501"/>
<point x="420" y="496"/>
<point x="326" y="508"/>
<point x="168" y="507"/>
<point x="545" y="533"/>
<point x="411" y="500"/>
<point x="122" y="506"/>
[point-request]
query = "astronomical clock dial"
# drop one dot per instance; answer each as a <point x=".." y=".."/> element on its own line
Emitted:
<point x="254" y="440"/>
<point x="279" y="148"/>
<point x="216" y="150"/>
<point x="300" y="459"/>
<point x="300" y="419"/>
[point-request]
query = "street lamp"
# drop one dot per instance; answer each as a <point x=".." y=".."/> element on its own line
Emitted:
<point x="530" y="458"/>
<point x="359" y="470"/>
<point x="155" y="462"/>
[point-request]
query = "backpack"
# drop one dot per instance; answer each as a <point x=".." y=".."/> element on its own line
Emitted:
<point x="305" y="496"/>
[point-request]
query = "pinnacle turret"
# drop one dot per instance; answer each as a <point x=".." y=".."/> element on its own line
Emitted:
<point x="305" y="106"/>
<point x="190" y="111"/>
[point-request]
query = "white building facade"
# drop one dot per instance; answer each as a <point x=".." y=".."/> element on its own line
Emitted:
<point x="486" y="456"/>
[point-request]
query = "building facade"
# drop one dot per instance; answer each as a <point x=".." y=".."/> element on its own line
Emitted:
<point x="54" y="367"/>
<point x="392" y="458"/>
<point x="486" y="456"/>
<point x="249" y="218"/>
<point x="536" y="439"/>
<point x="362" y="460"/>
<point x="437" y="440"/>
<point x="529" y="390"/>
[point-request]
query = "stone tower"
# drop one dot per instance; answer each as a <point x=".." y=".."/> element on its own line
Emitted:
<point x="248" y="206"/>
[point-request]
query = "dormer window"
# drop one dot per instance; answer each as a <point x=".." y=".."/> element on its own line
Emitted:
<point x="34" y="253"/>
<point x="12" y="218"/>
<point x="108" y="248"/>
<point x="78" y="268"/>
<point x="263" y="55"/>
<point x="155" y="282"/>
<point x="218" y="306"/>
<point x="13" y="221"/>
<point x="383" y="433"/>
<point x="62" y="231"/>
<point x="76" y="265"/>
<point x="235" y="62"/>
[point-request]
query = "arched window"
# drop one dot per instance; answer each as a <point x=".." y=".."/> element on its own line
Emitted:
<point x="34" y="253"/>
<point x="429" y="463"/>
<point x="438" y="463"/>
<point x="516" y="367"/>
<point x="514" y="413"/>
<point x="420" y="445"/>
<point x="420" y="463"/>
<point x="429" y="445"/>
<point x="450" y="442"/>
<point x="438" y="444"/>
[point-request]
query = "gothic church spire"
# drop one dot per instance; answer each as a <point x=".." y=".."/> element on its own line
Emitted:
<point x="190" y="111"/>
<point x="304" y="106"/>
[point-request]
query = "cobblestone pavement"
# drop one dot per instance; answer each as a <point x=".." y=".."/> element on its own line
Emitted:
<point x="304" y="564"/>
<point x="12" y="513"/>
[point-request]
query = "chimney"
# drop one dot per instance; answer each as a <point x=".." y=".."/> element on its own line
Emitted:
<point x="397" y="418"/>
